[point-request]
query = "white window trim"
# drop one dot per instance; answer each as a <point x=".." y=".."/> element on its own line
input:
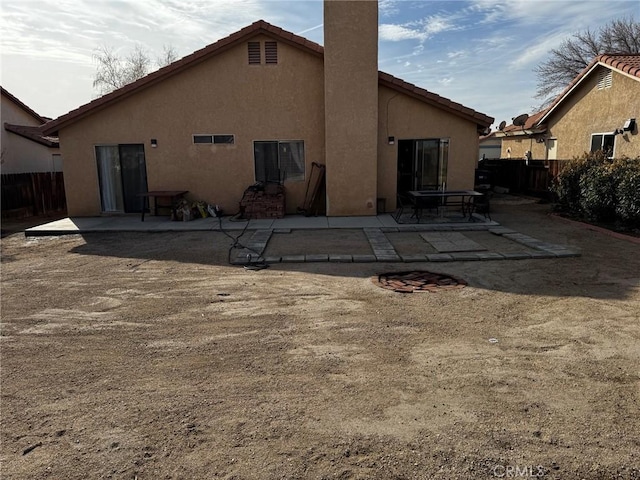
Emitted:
<point x="613" y="152"/>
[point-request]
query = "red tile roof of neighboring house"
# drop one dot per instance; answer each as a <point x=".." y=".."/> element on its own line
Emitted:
<point x="530" y="124"/>
<point x="259" y="27"/>
<point x="23" y="106"/>
<point x="628" y="64"/>
<point x="33" y="134"/>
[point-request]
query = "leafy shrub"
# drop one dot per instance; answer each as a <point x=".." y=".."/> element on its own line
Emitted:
<point x="627" y="192"/>
<point x="597" y="193"/>
<point x="567" y="184"/>
<point x="601" y="190"/>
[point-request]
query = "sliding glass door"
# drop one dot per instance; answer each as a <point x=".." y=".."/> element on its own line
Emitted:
<point x="122" y="174"/>
<point x="422" y="164"/>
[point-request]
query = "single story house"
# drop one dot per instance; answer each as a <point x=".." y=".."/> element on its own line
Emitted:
<point x="598" y="110"/>
<point x="263" y="104"/>
<point x="490" y="146"/>
<point x="24" y="147"/>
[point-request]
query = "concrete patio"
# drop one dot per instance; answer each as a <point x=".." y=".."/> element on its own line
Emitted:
<point x="440" y="238"/>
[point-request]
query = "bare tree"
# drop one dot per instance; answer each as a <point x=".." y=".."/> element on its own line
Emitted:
<point x="114" y="71"/>
<point x="620" y="36"/>
<point x="169" y="55"/>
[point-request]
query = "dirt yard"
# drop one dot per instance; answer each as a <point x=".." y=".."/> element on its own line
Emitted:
<point x="147" y="356"/>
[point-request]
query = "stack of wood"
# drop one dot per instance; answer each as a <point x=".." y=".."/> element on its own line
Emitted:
<point x="267" y="202"/>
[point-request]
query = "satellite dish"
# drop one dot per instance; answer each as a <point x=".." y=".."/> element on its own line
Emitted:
<point x="502" y="125"/>
<point x="520" y="120"/>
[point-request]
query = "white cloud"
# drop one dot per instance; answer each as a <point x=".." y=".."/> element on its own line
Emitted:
<point x="456" y="54"/>
<point x="387" y="8"/>
<point x="397" y="33"/>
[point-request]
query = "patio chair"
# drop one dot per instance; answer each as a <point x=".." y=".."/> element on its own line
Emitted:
<point x="428" y="203"/>
<point x="481" y="205"/>
<point x="402" y="202"/>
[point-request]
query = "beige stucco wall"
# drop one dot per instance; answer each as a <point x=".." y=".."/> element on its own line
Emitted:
<point x="223" y="95"/>
<point x="590" y="110"/>
<point x="20" y="155"/>
<point x="351" y="105"/>
<point x="408" y="118"/>
<point x="515" y="147"/>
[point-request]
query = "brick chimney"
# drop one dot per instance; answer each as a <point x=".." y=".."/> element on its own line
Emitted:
<point x="351" y="105"/>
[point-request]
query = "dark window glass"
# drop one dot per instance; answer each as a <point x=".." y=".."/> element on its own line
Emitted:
<point x="202" y="139"/>
<point x="223" y="139"/>
<point x="279" y="161"/>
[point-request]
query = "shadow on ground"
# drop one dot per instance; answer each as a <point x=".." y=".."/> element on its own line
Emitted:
<point x="607" y="268"/>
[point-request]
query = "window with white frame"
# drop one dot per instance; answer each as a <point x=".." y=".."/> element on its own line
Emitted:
<point x="604" y="142"/>
<point x="279" y="161"/>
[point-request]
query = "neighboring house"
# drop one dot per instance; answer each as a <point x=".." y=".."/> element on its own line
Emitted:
<point x="526" y="141"/>
<point x="24" y="147"/>
<point x="490" y="146"/>
<point x="262" y="105"/>
<point x="598" y="110"/>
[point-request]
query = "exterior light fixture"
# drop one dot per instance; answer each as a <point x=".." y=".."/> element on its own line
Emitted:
<point x="154" y="142"/>
<point x="392" y="140"/>
<point x="629" y="125"/>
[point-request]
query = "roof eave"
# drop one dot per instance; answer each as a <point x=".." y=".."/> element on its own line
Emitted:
<point x="599" y="61"/>
<point x="40" y="139"/>
<point x="394" y="83"/>
<point x="222" y="45"/>
<point x="19" y="103"/>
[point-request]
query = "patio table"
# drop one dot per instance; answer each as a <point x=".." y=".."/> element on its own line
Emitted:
<point x="421" y="196"/>
<point x="173" y="195"/>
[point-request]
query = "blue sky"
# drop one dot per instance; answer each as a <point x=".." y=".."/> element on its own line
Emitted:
<point x="480" y="53"/>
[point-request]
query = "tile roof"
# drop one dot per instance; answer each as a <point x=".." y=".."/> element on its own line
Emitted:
<point x="530" y="124"/>
<point x="259" y="27"/>
<point x="23" y="106"/>
<point x="626" y="63"/>
<point x="629" y="64"/>
<point x="433" y="99"/>
<point x="33" y="133"/>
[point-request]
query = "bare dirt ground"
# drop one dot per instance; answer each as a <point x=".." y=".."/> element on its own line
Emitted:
<point x="147" y="356"/>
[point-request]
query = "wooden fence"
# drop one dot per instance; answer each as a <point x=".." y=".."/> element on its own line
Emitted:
<point x="532" y="178"/>
<point x="29" y="194"/>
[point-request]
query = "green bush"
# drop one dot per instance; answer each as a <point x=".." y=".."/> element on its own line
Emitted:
<point x="627" y="193"/>
<point x="601" y="190"/>
<point x="597" y="193"/>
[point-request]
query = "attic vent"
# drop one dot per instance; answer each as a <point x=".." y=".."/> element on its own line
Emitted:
<point x="605" y="78"/>
<point x="254" y="53"/>
<point x="271" y="52"/>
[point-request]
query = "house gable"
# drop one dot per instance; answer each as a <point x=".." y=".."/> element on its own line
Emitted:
<point x="599" y="104"/>
<point x="20" y="113"/>
<point x="24" y="148"/>
<point x="241" y="37"/>
<point x="627" y="65"/>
